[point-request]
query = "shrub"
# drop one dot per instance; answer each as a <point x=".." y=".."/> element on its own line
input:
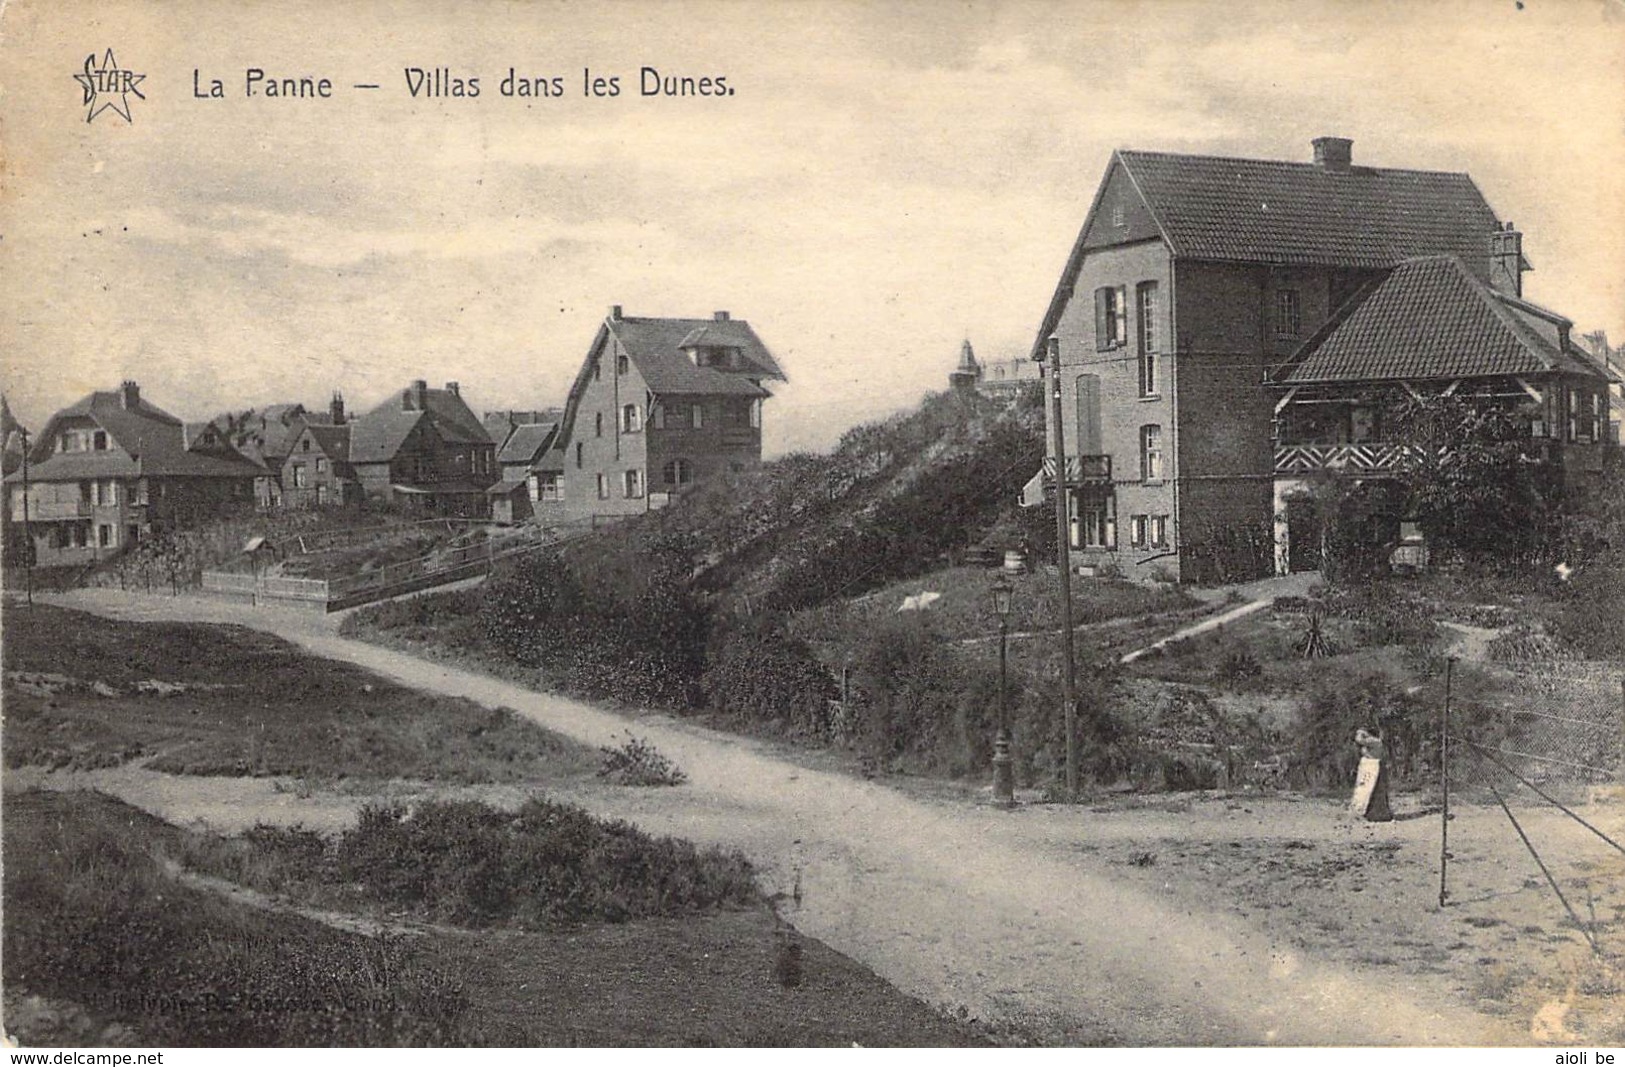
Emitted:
<point x="637" y="762"/>
<point x="468" y="862"/>
<point x="758" y="674"/>
<point x="91" y="919"/>
<point x="1325" y="757"/>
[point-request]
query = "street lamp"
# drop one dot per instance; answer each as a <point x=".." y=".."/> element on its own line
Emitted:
<point x="1004" y="777"/>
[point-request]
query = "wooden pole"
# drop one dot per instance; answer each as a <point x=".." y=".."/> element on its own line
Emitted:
<point x="1444" y="775"/>
<point x="28" y="536"/>
<point x="1063" y="551"/>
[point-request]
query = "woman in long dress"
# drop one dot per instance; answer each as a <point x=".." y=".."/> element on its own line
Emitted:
<point x="1371" y="784"/>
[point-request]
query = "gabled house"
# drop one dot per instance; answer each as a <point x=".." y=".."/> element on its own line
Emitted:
<point x="317" y="472"/>
<point x="513" y="497"/>
<point x="426" y="451"/>
<point x="12" y="434"/>
<point x="114" y="468"/>
<point x="1192" y="281"/>
<point x="658" y="406"/>
<point x="267" y="436"/>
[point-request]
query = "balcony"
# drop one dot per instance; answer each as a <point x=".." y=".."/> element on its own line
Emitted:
<point x="1082" y="470"/>
<point x="47" y="510"/>
<point x="1367" y="458"/>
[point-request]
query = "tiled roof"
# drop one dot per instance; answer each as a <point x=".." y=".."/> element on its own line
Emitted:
<point x="1275" y="212"/>
<point x="150" y="442"/>
<point x="656" y="347"/>
<point x="1268" y="211"/>
<point x="526" y="442"/>
<point x="333" y="440"/>
<point x="1433" y="318"/>
<point x="378" y="435"/>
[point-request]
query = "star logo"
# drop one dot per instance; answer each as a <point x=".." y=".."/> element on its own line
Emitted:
<point x="108" y="87"/>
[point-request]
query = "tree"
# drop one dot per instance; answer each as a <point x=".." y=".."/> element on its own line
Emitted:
<point x="1473" y="481"/>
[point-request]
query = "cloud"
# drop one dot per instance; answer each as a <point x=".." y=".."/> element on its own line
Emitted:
<point x="887" y="180"/>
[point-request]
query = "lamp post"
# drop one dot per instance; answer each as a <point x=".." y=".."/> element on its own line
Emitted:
<point x="1004" y="777"/>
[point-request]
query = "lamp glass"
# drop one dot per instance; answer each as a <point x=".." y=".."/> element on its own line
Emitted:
<point x="1001" y="599"/>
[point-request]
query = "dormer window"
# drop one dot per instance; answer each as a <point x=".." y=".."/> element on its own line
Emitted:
<point x="711" y="356"/>
<point x="100" y="441"/>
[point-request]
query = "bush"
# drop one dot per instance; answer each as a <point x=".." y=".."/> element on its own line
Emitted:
<point x="470" y="863"/>
<point x="759" y="675"/>
<point x="91" y="919"/>
<point x="637" y="762"/>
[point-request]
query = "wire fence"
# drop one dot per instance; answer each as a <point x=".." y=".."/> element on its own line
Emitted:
<point x="1556" y="734"/>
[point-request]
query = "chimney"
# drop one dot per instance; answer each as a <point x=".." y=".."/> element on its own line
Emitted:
<point x="720" y="316"/>
<point x="615" y="313"/>
<point x="335" y="408"/>
<point x="129" y="395"/>
<point x="451" y="387"/>
<point x="416" y="397"/>
<point x="1333" y="153"/>
<point x="1506" y="260"/>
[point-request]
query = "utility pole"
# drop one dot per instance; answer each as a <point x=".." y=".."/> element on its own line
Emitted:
<point x="1063" y="551"/>
<point x="28" y="536"/>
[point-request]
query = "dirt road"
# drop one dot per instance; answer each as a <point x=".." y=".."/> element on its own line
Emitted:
<point x="959" y="904"/>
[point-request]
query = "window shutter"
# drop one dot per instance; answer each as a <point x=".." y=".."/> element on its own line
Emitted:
<point x="1102" y="325"/>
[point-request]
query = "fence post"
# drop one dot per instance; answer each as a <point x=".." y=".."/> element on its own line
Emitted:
<point x="1444" y="775"/>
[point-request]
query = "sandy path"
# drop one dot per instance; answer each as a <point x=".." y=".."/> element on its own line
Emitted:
<point x="956" y="903"/>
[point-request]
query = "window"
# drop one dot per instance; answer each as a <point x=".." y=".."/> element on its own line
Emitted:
<point x="321" y="496"/>
<point x="1093" y="520"/>
<point x="100" y="441"/>
<point x="1600" y="412"/>
<point x="756" y="414"/>
<point x="1119" y="218"/>
<point x="631" y="419"/>
<point x="699" y="416"/>
<point x="299" y="481"/>
<point x="603" y="488"/>
<point x="1159" y="531"/>
<point x="1287" y="313"/>
<point x="1151" y="453"/>
<point x="1574" y="415"/>
<point x="622" y="364"/>
<point x="548" y="485"/>
<point x="1137" y="531"/>
<point x="678" y="472"/>
<point x="104" y="535"/>
<point x="304" y="446"/>
<point x="1111" y="318"/>
<point x="578" y="455"/>
<point x="597" y="370"/>
<point x="657" y="415"/>
<point x="1146" y="312"/>
<point x="598" y="424"/>
<point x="634" y="484"/>
<point x="321" y="465"/>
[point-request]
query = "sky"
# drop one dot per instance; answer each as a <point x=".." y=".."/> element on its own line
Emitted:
<point x="885" y="180"/>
